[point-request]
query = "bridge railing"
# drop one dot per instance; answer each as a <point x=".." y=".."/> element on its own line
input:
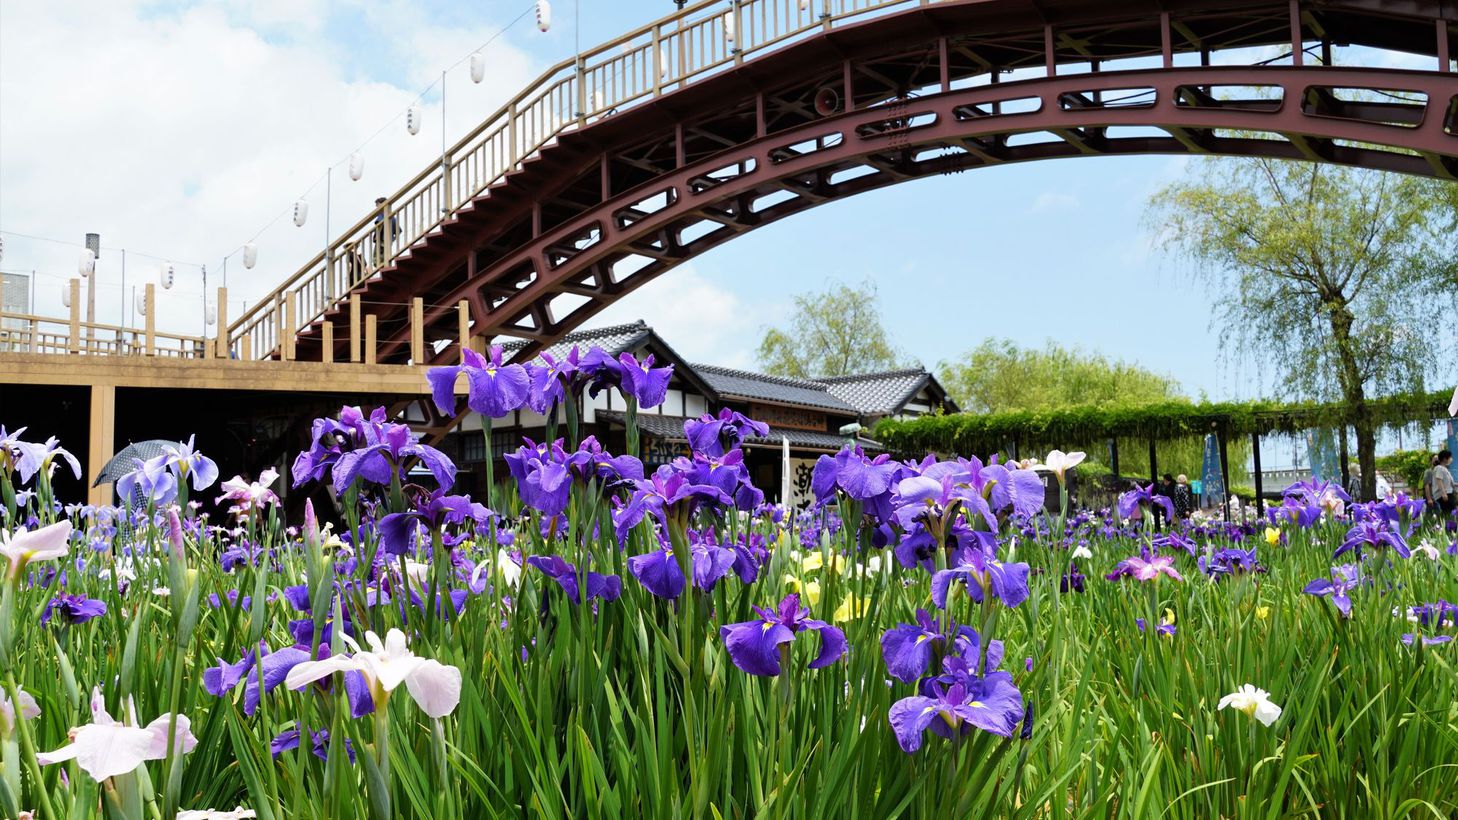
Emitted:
<point x="25" y="333"/>
<point x="640" y="65"/>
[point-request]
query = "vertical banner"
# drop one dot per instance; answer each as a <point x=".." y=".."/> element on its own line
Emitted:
<point x="1321" y="451"/>
<point x="801" y="495"/>
<point x="1212" y="478"/>
<point x="1451" y="443"/>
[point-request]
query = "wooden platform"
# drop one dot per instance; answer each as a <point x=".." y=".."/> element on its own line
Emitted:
<point x="210" y="374"/>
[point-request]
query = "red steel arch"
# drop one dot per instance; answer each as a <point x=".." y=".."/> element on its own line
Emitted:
<point x="607" y="207"/>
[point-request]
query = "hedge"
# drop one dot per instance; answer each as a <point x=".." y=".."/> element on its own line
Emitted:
<point x="967" y="433"/>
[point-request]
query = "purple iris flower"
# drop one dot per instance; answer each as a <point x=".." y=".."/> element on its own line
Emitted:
<point x="1072" y="581"/>
<point x="1145" y="566"/>
<point x="493" y="389"/>
<point x="1173" y="541"/>
<point x="550" y="380"/>
<point x="1296" y="511"/>
<point x="288" y="740"/>
<point x="1164" y="630"/>
<point x="187" y="463"/>
<point x="758" y="646"/>
<point x="910" y="649"/>
<point x="867" y="480"/>
<point x="1343" y="579"/>
<point x="1435" y="614"/>
<point x="388" y="447"/>
<point x="1374" y="534"/>
<point x="659" y="573"/>
<point x="1230" y="561"/>
<point x="1018" y="490"/>
<point x="36" y="457"/>
<point x="1312" y="490"/>
<point x="668" y="492"/>
<point x="151" y="481"/>
<point x="643" y="381"/>
<point x="399" y="531"/>
<point x="1408" y="638"/>
<point x="1140" y="498"/>
<point x="716" y="435"/>
<point x="72" y="609"/>
<point x="606" y="587"/>
<point x="982" y="573"/>
<point x="991" y="703"/>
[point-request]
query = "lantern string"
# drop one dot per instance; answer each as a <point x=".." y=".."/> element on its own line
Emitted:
<point x="169" y="259"/>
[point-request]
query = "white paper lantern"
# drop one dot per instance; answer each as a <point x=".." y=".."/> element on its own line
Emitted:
<point x="804" y="5"/>
<point x="356" y="166"/>
<point x="730" y="28"/>
<point x="66" y="295"/>
<point x="250" y="255"/>
<point x="544" y="15"/>
<point x="2" y="249"/>
<point x="662" y="61"/>
<point x="597" y="104"/>
<point x="165" y="275"/>
<point x="210" y="314"/>
<point x="478" y="67"/>
<point x="301" y="213"/>
<point x="87" y="265"/>
<point x="412" y="119"/>
<point x="141" y="303"/>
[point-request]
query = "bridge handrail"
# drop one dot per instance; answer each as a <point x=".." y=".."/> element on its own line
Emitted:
<point x="44" y="334"/>
<point x="643" y="63"/>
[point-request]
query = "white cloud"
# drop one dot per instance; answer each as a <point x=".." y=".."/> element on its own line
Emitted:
<point x="1054" y="201"/>
<point x="182" y="133"/>
<point x="699" y="319"/>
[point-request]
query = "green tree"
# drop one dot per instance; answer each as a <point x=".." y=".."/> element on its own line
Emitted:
<point x="1329" y="277"/>
<point x="998" y="376"/>
<point x="837" y="332"/>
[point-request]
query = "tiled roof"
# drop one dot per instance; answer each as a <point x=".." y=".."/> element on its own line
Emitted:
<point x="613" y="339"/>
<point x="671" y="428"/>
<point x="741" y="384"/>
<point x="878" y="393"/>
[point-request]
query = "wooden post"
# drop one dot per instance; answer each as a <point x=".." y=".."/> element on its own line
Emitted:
<point x="289" y="336"/>
<point x="1224" y="468"/>
<point x="354" y="327"/>
<point x="417" y="331"/>
<point x="74" y="343"/>
<point x="326" y="333"/>
<point x="224" y="343"/>
<point x="369" y="340"/>
<point x="1255" y="449"/>
<point x="245" y="351"/>
<point x="278" y="324"/>
<point x="1114" y="456"/>
<point x="463" y="321"/>
<point x="1154" y="509"/>
<point x="102" y="437"/>
<point x="151" y="303"/>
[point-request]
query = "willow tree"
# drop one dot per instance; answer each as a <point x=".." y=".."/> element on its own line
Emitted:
<point x="837" y="332"/>
<point x="1334" y="281"/>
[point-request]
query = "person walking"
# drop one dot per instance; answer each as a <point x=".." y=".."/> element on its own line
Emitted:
<point x="1354" y="482"/>
<point x="1184" y="499"/>
<point x="1442" y="483"/>
<point x="1427" y="484"/>
<point x="383" y="244"/>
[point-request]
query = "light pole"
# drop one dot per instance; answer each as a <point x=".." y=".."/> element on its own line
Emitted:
<point x="93" y="244"/>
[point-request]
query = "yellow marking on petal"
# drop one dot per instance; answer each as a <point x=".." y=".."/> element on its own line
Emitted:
<point x="922" y="637"/>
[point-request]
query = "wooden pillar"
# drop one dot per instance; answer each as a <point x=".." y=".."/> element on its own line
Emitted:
<point x="1154" y="509"/>
<point x="289" y="336"/>
<point x="463" y="322"/>
<point x="326" y="332"/>
<point x="369" y="340"/>
<point x="101" y="439"/>
<point x="417" y="331"/>
<point x="1445" y="64"/>
<point x="354" y="327"/>
<point x="1255" y="447"/>
<point x="245" y="351"/>
<point x="151" y="303"/>
<point x="1114" y="456"/>
<point x="74" y="342"/>
<point x="224" y="346"/>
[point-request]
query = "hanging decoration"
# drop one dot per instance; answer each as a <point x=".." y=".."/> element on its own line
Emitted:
<point x="412" y="119"/>
<point x="165" y="275"/>
<point x="597" y="101"/>
<point x="544" y="15"/>
<point x="2" y="249"/>
<point x="662" y="61"/>
<point x="66" y="294"/>
<point x="356" y="166"/>
<point x="210" y="313"/>
<point x="250" y="255"/>
<point x="301" y="213"/>
<point x="87" y="265"/>
<point x="141" y="301"/>
<point x="804" y="5"/>
<point x="730" y="29"/>
<point x="478" y="67"/>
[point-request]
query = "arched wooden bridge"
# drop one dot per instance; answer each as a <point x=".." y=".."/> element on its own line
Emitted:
<point x="631" y="158"/>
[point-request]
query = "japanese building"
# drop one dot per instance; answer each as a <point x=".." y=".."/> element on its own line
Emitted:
<point x="807" y="415"/>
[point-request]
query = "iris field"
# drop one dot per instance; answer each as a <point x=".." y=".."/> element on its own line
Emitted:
<point x="594" y="641"/>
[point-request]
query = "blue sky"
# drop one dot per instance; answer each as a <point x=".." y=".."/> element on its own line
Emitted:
<point x="204" y="120"/>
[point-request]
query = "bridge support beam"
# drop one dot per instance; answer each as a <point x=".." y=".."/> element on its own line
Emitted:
<point x="101" y="440"/>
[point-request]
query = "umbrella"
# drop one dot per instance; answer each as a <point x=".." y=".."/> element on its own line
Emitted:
<point x="125" y="461"/>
